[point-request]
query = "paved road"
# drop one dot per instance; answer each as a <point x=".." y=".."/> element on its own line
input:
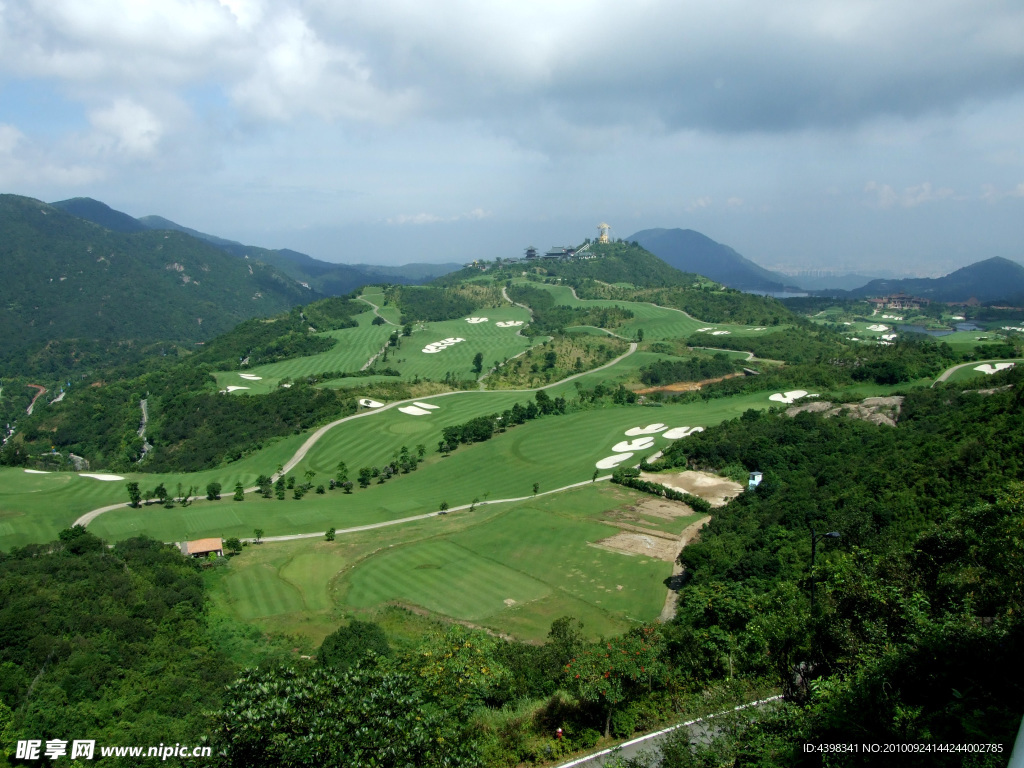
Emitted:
<point x="699" y="730"/>
<point x="375" y="308"/>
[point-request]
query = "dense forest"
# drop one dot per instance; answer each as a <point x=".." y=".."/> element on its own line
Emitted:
<point x="424" y="303"/>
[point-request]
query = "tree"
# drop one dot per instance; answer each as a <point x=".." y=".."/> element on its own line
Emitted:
<point x="134" y="494"/>
<point x="329" y="536"/>
<point x="444" y="507"/>
<point x="258" y="533"/>
<point x="478" y="362"/>
<point x="160" y="492"/>
<point x="347" y="485"/>
<point x="365" y="475"/>
<point x="266" y="486"/>
<point x="421" y="451"/>
<point x="341" y="473"/>
<point x="407" y="329"/>
<point x="279" y="487"/>
<point x="233" y="545"/>
<point x="309" y="474"/>
<point x="536" y="487"/>
<point x="378" y="320"/>
<point x="239" y="492"/>
<point x="213" y="491"/>
<point x="594" y="478"/>
<point x="344" y="647"/>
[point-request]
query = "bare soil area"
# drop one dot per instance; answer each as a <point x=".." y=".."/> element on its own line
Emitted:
<point x="877" y="410"/>
<point x="715" y="490"/>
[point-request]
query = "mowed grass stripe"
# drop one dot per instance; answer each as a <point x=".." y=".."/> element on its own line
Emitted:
<point x="262" y="593"/>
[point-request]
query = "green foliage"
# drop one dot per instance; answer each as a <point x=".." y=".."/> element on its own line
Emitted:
<point x="321" y="716"/>
<point x="84" y="626"/>
<point x="347" y="645"/>
<point x="697" y="368"/>
<point x="421" y="303"/>
<point x="213" y="491"/>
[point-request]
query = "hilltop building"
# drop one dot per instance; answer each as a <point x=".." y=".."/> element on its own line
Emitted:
<point x="203" y="547"/>
<point x="899" y="301"/>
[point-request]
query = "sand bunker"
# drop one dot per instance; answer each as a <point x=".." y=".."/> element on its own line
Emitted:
<point x="629" y="543"/>
<point x="104" y="478"/>
<point x="476" y="319"/>
<point x="437" y="346"/>
<point x="233" y="388"/>
<point x="412" y="410"/>
<point x="650" y="429"/>
<point x="250" y="377"/>
<point x="721" y="333"/>
<point x="715" y="490"/>
<point x="613" y="461"/>
<point x="760" y="328"/>
<point x="854" y="338"/>
<point x="847" y="323"/>
<point x="788" y="397"/>
<point x="878" y="327"/>
<point x="428" y="406"/>
<point x="368" y="403"/>
<point x="287" y="386"/>
<point x="889" y="336"/>
<point x="509" y="323"/>
<point x="640" y="444"/>
<point x="678" y="432"/>
<point x="36" y="472"/>
<point x="654" y="457"/>
<point x="990" y="369"/>
<point x="702" y="330"/>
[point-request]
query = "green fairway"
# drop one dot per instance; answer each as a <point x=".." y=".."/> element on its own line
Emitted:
<point x="656" y="322"/>
<point x="354" y="349"/>
<point x="970" y="371"/>
<point x="528" y="563"/>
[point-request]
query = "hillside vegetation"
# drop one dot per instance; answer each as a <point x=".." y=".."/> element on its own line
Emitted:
<point x="94" y="289"/>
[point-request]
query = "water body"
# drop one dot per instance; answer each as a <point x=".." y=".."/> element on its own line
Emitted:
<point x="931" y="332"/>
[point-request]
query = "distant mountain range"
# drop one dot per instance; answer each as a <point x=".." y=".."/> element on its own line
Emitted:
<point x="325" y="277"/>
<point x="690" y="251"/>
<point x="66" y="278"/>
<point x="992" y="280"/>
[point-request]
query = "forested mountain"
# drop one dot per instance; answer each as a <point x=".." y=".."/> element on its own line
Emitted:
<point x="992" y="280"/>
<point x="69" y="279"/>
<point x="691" y="251"/>
<point x="328" y="278"/>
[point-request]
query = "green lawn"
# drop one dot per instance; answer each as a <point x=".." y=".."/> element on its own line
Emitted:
<point x="969" y="372"/>
<point x="536" y="553"/>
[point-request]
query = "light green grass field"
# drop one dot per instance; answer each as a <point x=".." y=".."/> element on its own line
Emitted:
<point x="354" y="348"/>
<point x="536" y="553"/>
<point x="35" y="508"/>
<point x="554" y="452"/>
<point x="968" y="372"/>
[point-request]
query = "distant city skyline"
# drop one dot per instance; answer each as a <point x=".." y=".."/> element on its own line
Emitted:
<point x="832" y="135"/>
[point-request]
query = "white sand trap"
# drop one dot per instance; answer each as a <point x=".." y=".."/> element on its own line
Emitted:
<point x="990" y="369"/>
<point x="428" y="406"/>
<point x="878" y="327"/>
<point x="650" y="429"/>
<point x="476" y="319"/>
<point x="889" y="336"/>
<point x="412" y="410"/>
<point x="788" y="397"/>
<point x="709" y="328"/>
<point x="613" y="461"/>
<point x="761" y="328"/>
<point x="250" y="377"/>
<point x="233" y="388"/>
<point x="368" y="403"/>
<point x="509" y="323"/>
<point x="721" y="333"/>
<point x="287" y="386"/>
<point x="654" y="457"/>
<point x="678" y="432"/>
<point x="847" y="323"/>
<point x="104" y="478"/>
<point x="36" y="472"/>
<point x="640" y="444"/>
<point x="854" y="338"/>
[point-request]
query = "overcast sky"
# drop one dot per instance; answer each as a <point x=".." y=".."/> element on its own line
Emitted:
<point x="807" y="135"/>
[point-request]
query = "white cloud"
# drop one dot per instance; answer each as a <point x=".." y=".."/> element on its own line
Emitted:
<point x="126" y="128"/>
<point x="910" y="197"/>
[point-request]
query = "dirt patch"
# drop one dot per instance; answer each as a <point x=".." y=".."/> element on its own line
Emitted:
<point x="877" y="410"/>
<point x="687" y="386"/>
<point x="689" y="534"/>
<point x="630" y="543"/>
<point x="715" y="490"/>
<point x="662" y="508"/>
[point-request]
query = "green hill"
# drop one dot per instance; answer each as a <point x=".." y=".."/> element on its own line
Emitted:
<point x="992" y="280"/>
<point x="691" y="251"/>
<point x="68" y="279"/>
